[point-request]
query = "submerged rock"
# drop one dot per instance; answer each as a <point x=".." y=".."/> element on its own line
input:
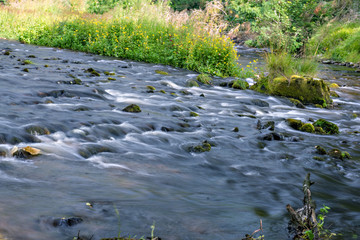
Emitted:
<point x="192" y="83"/>
<point x="161" y="72"/>
<point x="307" y="90"/>
<point x="132" y="108"/>
<point x="194" y="114"/>
<point x="92" y="71"/>
<point x="273" y="136"/>
<point x="37" y="130"/>
<point x="66" y="222"/>
<point x="320" y="150"/>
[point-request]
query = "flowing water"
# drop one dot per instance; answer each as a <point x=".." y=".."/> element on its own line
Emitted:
<point x="138" y="168"/>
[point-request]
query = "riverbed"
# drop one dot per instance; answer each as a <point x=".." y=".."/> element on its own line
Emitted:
<point x="122" y="172"/>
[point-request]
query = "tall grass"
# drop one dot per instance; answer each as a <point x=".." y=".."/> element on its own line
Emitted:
<point x="143" y="31"/>
<point x="282" y="64"/>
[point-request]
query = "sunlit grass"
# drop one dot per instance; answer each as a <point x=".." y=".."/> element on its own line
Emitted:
<point x="147" y="31"/>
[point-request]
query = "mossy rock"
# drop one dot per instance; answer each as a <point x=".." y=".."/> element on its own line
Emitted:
<point x="328" y="127"/>
<point x="307" y="90"/>
<point x="2" y="154"/>
<point x="236" y="129"/>
<point x="111" y="79"/>
<point x="192" y="83"/>
<point x="240" y="84"/>
<point x="205" y="147"/>
<point x="109" y="73"/>
<point x="336" y="153"/>
<point x="319" y="130"/>
<point x="320" y="150"/>
<point x="25" y="70"/>
<point x="161" y="72"/>
<point x="297" y="103"/>
<point x="307" y="127"/>
<point x="133" y="108"/>
<point x="162" y="91"/>
<point x="204" y="79"/>
<point x="37" y="130"/>
<point x="93" y="72"/>
<point x="333" y="85"/>
<point x="294" y="123"/>
<point x="26" y="62"/>
<point x="334" y="94"/>
<point x="150" y="89"/>
<point x="193" y="114"/>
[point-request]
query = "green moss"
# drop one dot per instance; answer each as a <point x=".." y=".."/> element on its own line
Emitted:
<point x="336" y="153"/>
<point x="319" y="130"/>
<point x="334" y="94"/>
<point x="93" y="72"/>
<point x="204" y="79"/>
<point x="111" y="79"/>
<point x="240" y="84"/>
<point x="46" y="65"/>
<point x="205" y="147"/>
<point x="328" y="127"/>
<point x="317" y="158"/>
<point x="192" y="83"/>
<point x="132" y="108"/>
<point x="307" y="127"/>
<point x="161" y="72"/>
<point x="333" y="85"/>
<point x="77" y="81"/>
<point x="25" y="70"/>
<point x="25" y="62"/>
<point x="294" y="123"/>
<point x="162" y="91"/>
<point x="307" y="90"/>
<point x="236" y="129"/>
<point x="193" y="114"/>
<point x="109" y="73"/>
<point x="150" y="88"/>
<point x="297" y="103"/>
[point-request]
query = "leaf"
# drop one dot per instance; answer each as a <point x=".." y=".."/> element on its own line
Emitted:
<point x="32" y="151"/>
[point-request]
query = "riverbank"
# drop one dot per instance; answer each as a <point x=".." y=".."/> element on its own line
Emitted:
<point x="143" y="31"/>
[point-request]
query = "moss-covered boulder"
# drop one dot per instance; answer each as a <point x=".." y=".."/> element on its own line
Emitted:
<point x="294" y="123"/>
<point x="307" y="90"/>
<point x="307" y="127"/>
<point x="133" y="108"/>
<point x="297" y="103"/>
<point x="328" y="127"/>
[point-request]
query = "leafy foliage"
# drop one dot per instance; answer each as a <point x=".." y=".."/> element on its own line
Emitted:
<point x="281" y="24"/>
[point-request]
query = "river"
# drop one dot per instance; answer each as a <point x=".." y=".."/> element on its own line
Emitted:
<point x="123" y="172"/>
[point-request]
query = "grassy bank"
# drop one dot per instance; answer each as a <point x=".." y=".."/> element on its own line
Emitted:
<point x="140" y="30"/>
<point x="337" y="41"/>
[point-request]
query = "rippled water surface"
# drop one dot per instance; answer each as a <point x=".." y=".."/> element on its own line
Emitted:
<point x="141" y="164"/>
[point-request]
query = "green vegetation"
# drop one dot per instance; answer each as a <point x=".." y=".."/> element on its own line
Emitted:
<point x="338" y="41"/>
<point x="141" y="30"/>
<point x="282" y="64"/>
